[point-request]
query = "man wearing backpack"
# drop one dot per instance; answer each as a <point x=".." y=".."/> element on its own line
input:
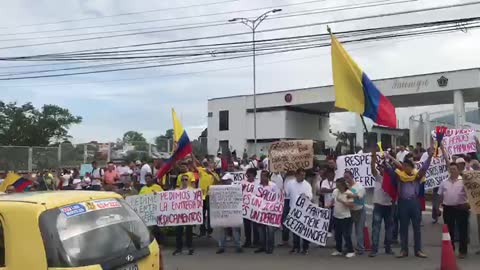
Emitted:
<point x="97" y="177"/>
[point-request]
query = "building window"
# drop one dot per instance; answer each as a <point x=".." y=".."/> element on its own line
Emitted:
<point x="224" y="147"/>
<point x="223" y="120"/>
<point x="210" y="114"/>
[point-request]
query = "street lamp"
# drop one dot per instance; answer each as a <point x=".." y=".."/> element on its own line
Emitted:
<point x="253" y="24"/>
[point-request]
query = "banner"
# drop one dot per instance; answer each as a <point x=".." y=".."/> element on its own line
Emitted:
<point x="471" y="181"/>
<point x="459" y="141"/>
<point x="180" y="207"/>
<point x="290" y="155"/>
<point x="146" y="206"/>
<point x="309" y="221"/>
<point x="262" y="205"/>
<point x="226" y="206"/>
<point x="238" y="177"/>
<point x="359" y="165"/>
<point x="436" y="173"/>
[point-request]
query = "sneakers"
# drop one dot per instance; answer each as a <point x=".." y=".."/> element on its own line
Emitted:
<point x="402" y="254"/>
<point x="350" y="255"/>
<point x="260" y="250"/>
<point x="177" y="252"/>
<point x="336" y="253"/>
<point x="462" y="256"/>
<point x="294" y="251"/>
<point x="220" y="251"/>
<point x="389" y="252"/>
<point x="305" y="252"/>
<point x="372" y="255"/>
<point x="190" y="252"/>
<point x="420" y="254"/>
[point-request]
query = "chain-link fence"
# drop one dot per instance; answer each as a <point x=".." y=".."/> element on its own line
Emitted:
<point x="67" y="155"/>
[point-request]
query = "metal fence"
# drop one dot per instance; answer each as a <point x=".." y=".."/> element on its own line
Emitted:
<point x="25" y="158"/>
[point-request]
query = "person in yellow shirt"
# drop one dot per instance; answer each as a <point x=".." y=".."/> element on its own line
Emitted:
<point x="184" y="171"/>
<point x="150" y="187"/>
<point x="208" y="177"/>
<point x="185" y="184"/>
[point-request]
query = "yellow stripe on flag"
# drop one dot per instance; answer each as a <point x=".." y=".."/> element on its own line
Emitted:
<point x="347" y="80"/>
<point x="9" y="180"/>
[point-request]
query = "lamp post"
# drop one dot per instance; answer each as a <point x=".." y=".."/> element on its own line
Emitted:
<point x="253" y="24"/>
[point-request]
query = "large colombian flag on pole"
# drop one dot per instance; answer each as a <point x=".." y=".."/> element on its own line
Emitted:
<point x="355" y="92"/>
<point x="181" y="146"/>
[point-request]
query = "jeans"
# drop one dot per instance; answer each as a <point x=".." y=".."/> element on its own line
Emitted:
<point x="435" y="204"/>
<point x="296" y="243"/>
<point x="343" y="231"/>
<point x="409" y="211"/>
<point x="179" y="237"/>
<point x="267" y="237"/>
<point x="250" y="228"/>
<point x="205" y="227"/>
<point x="236" y="238"/>
<point x="358" y="219"/>
<point x="396" y="222"/>
<point x="285" y="230"/>
<point x="382" y="213"/>
<point x="455" y="217"/>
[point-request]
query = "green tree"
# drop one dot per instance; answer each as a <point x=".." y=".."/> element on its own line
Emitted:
<point x="28" y="126"/>
<point x="162" y="141"/>
<point x="136" y="139"/>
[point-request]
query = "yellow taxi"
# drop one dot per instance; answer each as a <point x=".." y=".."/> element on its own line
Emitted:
<point x="84" y="230"/>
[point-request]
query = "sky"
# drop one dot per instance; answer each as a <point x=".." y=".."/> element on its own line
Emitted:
<point x="141" y="100"/>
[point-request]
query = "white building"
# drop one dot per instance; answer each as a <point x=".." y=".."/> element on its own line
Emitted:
<point x="304" y="113"/>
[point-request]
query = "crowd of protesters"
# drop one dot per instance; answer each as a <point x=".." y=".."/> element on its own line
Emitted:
<point x="343" y="195"/>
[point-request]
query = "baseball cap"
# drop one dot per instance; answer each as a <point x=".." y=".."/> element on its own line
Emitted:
<point x="460" y="160"/>
<point x="138" y="162"/>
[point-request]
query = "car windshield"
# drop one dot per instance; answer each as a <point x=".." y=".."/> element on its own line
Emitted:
<point x="92" y="232"/>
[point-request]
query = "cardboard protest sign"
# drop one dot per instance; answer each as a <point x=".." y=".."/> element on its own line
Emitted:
<point x="459" y="141"/>
<point x="226" y="206"/>
<point x="359" y="165"/>
<point x="309" y="221"/>
<point x="436" y="173"/>
<point x="180" y="207"/>
<point x="146" y="206"/>
<point x="290" y="155"/>
<point x="471" y="181"/>
<point x="262" y="205"/>
<point x="238" y="177"/>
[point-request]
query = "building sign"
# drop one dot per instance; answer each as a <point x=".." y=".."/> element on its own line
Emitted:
<point x="288" y="98"/>
<point x="417" y="85"/>
<point x="442" y="82"/>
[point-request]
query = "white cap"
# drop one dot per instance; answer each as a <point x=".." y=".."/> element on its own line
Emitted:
<point x="460" y="160"/>
<point x="138" y="162"/>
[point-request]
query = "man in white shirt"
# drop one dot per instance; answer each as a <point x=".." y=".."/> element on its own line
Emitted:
<point x="97" y="177"/>
<point x="293" y="191"/>
<point x="218" y="163"/>
<point x="402" y="152"/>
<point x="358" y="212"/>
<point x="143" y="172"/>
<point x="124" y="172"/>
<point x="382" y="210"/>
<point x="289" y="178"/>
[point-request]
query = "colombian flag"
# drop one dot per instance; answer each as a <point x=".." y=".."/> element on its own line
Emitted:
<point x="181" y="146"/>
<point x="355" y="92"/>
<point x="15" y="180"/>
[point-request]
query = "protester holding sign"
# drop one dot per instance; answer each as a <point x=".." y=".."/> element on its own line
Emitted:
<point x="411" y="191"/>
<point x="248" y="225"/>
<point x="343" y="219"/>
<point x="294" y="190"/>
<point x="326" y="189"/>
<point x="359" y="214"/>
<point x="456" y="210"/>
<point x="207" y="177"/>
<point x="185" y="184"/>
<point x="266" y="232"/>
<point x="227" y="179"/>
<point x="289" y="177"/>
<point x="382" y="210"/>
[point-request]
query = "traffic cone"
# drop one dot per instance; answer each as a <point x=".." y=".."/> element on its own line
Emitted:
<point x="449" y="262"/>
<point x="366" y="239"/>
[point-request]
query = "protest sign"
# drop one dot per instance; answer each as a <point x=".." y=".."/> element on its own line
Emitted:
<point x="309" y="221"/>
<point x="146" y="206"/>
<point x="226" y="206"/>
<point x="359" y="165"/>
<point x="436" y="173"/>
<point x="471" y="181"/>
<point x="262" y="205"/>
<point x="459" y="141"/>
<point x="85" y="168"/>
<point x="238" y="177"/>
<point x="290" y="155"/>
<point x="180" y="207"/>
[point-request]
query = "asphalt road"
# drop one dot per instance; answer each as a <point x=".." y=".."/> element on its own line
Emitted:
<point x="319" y="258"/>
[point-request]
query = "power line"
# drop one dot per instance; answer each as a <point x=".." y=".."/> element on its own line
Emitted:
<point x="198" y="72"/>
<point x="121" y="14"/>
<point x="163" y="19"/>
<point x="260" y="31"/>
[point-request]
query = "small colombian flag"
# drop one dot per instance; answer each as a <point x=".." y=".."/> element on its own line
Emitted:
<point x="15" y="180"/>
